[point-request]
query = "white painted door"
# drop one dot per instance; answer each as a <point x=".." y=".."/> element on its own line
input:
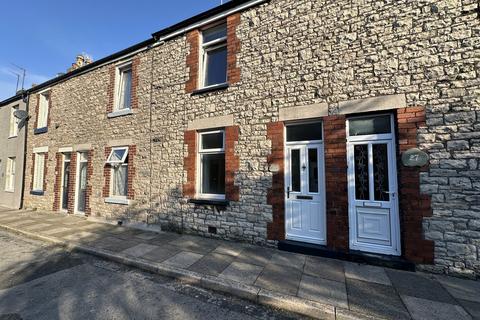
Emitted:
<point x="81" y="188"/>
<point x="373" y="197"/>
<point x="305" y="193"/>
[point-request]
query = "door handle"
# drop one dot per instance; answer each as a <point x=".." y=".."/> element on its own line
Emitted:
<point x="288" y="192"/>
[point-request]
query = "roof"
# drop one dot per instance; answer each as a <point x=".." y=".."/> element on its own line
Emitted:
<point x="178" y="26"/>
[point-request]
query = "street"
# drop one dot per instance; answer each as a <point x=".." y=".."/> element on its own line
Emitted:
<point x="38" y="281"/>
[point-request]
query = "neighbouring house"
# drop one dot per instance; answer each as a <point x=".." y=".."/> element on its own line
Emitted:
<point x="12" y="151"/>
<point x="341" y="128"/>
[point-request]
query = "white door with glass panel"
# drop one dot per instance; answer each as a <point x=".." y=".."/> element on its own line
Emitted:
<point x="305" y="183"/>
<point x="372" y="185"/>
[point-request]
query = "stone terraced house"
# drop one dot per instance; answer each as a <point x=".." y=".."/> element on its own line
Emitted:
<point x="339" y="128"/>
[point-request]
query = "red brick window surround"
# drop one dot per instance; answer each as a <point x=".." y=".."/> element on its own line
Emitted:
<point x="127" y="164"/>
<point x="191" y="188"/>
<point x="196" y="59"/>
<point x="123" y="86"/>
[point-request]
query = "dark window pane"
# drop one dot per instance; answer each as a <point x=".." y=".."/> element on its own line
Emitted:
<point x="213" y="173"/>
<point x="216" y="66"/>
<point x="312" y="170"/>
<point x="362" y="191"/>
<point x="304" y="132"/>
<point x="380" y="172"/>
<point x="215" y="33"/>
<point x="212" y="140"/>
<point x="295" y="170"/>
<point x="374" y="125"/>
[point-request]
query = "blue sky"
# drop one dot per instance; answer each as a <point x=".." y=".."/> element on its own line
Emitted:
<point x="45" y="36"/>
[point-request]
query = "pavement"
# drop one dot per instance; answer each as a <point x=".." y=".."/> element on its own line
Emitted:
<point x="40" y="281"/>
<point x="311" y="286"/>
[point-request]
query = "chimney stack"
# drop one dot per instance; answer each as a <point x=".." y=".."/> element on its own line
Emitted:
<point x="80" y="61"/>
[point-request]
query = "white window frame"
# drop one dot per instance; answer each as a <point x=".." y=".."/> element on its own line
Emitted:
<point x="43" y="109"/>
<point x="377" y="136"/>
<point x="207" y="47"/>
<point x="201" y="151"/>
<point x="114" y="164"/>
<point x="10" y="174"/>
<point x="38" y="179"/>
<point x="13" y="132"/>
<point x="119" y="71"/>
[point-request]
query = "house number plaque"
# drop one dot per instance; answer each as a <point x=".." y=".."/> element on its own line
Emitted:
<point x="414" y="158"/>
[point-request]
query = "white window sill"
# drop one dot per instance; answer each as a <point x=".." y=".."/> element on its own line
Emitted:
<point x="11" y="137"/>
<point x="119" y="113"/>
<point x="10" y="190"/>
<point x="113" y="200"/>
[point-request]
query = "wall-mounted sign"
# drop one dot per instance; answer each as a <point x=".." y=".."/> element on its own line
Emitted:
<point x="274" y="168"/>
<point x="414" y="157"/>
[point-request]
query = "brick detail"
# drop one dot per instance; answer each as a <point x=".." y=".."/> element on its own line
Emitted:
<point x="132" y="151"/>
<point x="134" y="88"/>
<point x="45" y="172"/>
<point x="71" y="183"/>
<point x="336" y="183"/>
<point x="276" y="194"/>
<point x="88" y="193"/>
<point x="189" y="163"/>
<point x="111" y="88"/>
<point x="233" y="47"/>
<point x="106" y="174"/>
<point x="414" y="206"/>
<point x="49" y="115"/>
<point x="58" y="182"/>
<point x="193" y="40"/>
<point x="232" y="163"/>
<point x="37" y="107"/>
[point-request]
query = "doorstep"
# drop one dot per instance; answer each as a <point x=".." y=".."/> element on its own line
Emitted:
<point x="352" y="256"/>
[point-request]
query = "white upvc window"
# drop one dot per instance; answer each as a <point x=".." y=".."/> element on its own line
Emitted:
<point x="10" y="175"/>
<point x="211" y="164"/>
<point x="118" y="160"/>
<point x="123" y="87"/>
<point x="43" y="106"/>
<point x="214" y="56"/>
<point x="39" y="171"/>
<point x="13" y="132"/>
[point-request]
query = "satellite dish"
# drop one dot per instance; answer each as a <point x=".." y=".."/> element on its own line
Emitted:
<point x="20" y="114"/>
<point x="21" y="123"/>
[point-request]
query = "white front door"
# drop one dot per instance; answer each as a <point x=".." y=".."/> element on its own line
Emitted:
<point x="305" y="194"/>
<point x="81" y="188"/>
<point x="372" y="185"/>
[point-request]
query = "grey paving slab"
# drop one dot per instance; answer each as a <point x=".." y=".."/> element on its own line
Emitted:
<point x="117" y="230"/>
<point x="242" y="272"/>
<point x="366" y="273"/>
<point x="164" y="238"/>
<point x="472" y="307"/>
<point x="212" y="264"/>
<point x="418" y="285"/>
<point x="161" y="253"/>
<point x="22" y="223"/>
<point x="256" y="255"/>
<point x="280" y="278"/>
<point x="146" y="235"/>
<point x="375" y="299"/>
<point x="139" y="250"/>
<point x="231" y="249"/>
<point x="323" y="291"/>
<point x="183" y="259"/>
<point x="422" y="309"/>
<point x="78" y="235"/>
<point x="10" y="218"/>
<point x="195" y="244"/>
<point x="288" y="259"/>
<point x="56" y="230"/>
<point x="461" y="288"/>
<point x="325" y="268"/>
<point x="38" y="227"/>
<point x="113" y="244"/>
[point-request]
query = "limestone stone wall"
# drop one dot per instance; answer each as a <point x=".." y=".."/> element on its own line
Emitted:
<point x="294" y="53"/>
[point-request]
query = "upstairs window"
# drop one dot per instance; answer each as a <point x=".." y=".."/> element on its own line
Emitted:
<point x="124" y="87"/>
<point x="13" y="132"/>
<point x="212" y="164"/>
<point x="10" y="175"/>
<point x="43" y="106"/>
<point x="214" y="56"/>
<point x="118" y="160"/>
